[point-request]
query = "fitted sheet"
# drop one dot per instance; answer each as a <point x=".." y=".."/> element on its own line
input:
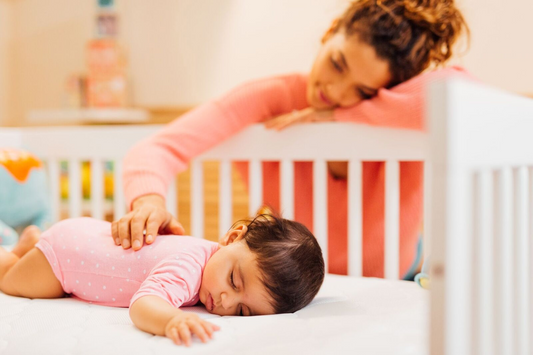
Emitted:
<point x="349" y="315"/>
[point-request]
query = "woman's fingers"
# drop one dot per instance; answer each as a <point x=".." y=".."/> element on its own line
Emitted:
<point x="124" y="231"/>
<point x="137" y="228"/>
<point x="174" y="227"/>
<point x="144" y="223"/>
<point x="281" y="122"/>
<point x="299" y="116"/>
<point x="114" y="232"/>
<point x="288" y="119"/>
<point x="152" y="228"/>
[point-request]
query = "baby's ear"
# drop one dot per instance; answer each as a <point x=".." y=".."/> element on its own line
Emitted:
<point x="234" y="235"/>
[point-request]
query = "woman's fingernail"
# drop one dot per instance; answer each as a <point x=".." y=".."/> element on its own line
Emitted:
<point x="117" y="241"/>
<point x="136" y="244"/>
<point x="149" y="238"/>
<point x="126" y="243"/>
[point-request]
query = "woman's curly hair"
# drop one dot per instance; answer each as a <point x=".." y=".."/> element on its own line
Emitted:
<point x="411" y="35"/>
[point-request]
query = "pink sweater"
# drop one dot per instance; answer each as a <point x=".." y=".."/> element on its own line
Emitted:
<point x="153" y="163"/>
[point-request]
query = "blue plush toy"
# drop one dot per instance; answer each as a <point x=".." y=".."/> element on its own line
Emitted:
<point x="423" y="277"/>
<point x="24" y="199"/>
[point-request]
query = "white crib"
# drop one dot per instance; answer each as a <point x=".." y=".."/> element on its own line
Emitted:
<point x="479" y="200"/>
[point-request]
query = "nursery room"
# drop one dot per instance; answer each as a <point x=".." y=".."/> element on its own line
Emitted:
<point x="266" y="177"/>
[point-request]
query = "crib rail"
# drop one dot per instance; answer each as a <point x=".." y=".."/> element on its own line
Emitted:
<point x="319" y="143"/>
<point x="482" y="221"/>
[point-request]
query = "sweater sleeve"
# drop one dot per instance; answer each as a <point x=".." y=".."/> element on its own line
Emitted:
<point x="176" y="279"/>
<point x="151" y="164"/>
<point x="402" y="106"/>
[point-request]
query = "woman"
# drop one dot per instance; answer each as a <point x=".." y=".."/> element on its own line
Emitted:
<point x="365" y="72"/>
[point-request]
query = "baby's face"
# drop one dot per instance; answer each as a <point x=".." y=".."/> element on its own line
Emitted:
<point x="231" y="284"/>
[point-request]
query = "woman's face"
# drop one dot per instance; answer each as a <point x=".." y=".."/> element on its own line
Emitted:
<point x="345" y="72"/>
<point x="231" y="284"/>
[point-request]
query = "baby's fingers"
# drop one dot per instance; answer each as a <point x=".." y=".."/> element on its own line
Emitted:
<point x="200" y="332"/>
<point x="185" y="334"/>
<point x="174" y="336"/>
<point x="210" y="328"/>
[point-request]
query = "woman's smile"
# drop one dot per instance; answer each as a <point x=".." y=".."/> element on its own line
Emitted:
<point x="325" y="98"/>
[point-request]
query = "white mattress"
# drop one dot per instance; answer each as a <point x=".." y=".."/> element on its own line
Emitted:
<point x="350" y="315"/>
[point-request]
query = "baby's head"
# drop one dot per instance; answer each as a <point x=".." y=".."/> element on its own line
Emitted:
<point x="269" y="265"/>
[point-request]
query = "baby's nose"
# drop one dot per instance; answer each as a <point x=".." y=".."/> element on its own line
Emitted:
<point x="226" y="301"/>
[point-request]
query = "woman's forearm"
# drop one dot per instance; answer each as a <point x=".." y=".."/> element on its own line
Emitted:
<point x="402" y="106"/>
<point x="152" y="314"/>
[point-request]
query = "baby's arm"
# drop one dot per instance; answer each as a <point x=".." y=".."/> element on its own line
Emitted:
<point x="153" y="314"/>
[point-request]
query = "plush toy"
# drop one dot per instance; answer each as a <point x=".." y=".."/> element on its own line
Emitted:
<point x="423" y="277"/>
<point x="24" y="199"/>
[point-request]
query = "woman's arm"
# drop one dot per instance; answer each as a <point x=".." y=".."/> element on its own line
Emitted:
<point x="154" y="315"/>
<point x="402" y="106"/>
<point x="150" y="165"/>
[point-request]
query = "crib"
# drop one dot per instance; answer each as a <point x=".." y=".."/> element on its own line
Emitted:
<point x="478" y="230"/>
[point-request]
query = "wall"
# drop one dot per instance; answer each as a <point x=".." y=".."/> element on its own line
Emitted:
<point x="49" y="44"/>
<point x="501" y="51"/>
<point x="188" y="51"/>
<point x="5" y="49"/>
<point x="184" y="52"/>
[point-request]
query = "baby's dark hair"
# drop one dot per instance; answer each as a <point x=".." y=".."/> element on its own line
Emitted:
<point x="289" y="259"/>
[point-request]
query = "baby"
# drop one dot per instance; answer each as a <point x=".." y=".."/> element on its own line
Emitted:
<point x="265" y="266"/>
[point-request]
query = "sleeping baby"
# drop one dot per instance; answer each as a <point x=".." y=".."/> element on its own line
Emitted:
<point x="267" y="265"/>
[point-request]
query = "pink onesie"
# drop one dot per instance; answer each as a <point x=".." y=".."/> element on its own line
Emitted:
<point x="91" y="267"/>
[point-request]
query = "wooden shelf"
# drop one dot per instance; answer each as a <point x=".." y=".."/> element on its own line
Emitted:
<point x="89" y="115"/>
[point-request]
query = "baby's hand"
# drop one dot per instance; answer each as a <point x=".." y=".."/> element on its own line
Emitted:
<point x="181" y="327"/>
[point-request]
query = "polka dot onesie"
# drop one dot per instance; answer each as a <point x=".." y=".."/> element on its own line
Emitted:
<point x="91" y="267"/>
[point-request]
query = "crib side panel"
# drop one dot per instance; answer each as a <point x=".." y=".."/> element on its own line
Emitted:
<point x="84" y="166"/>
<point x="10" y="138"/>
<point x="481" y="254"/>
<point x="95" y="154"/>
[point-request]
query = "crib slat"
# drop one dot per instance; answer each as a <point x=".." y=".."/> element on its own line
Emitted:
<point x="320" y="206"/>
<point x="97" y="189"/>
<point x="255" y="176"/>
<point x="529" y="338"/>
<point x="392" y="219"/>
<point x="119" y="205"/>
<point x="482" y="267"/>
<point x="427" y="210"/>
<point x="287" y="189"/>
<point x="172" y="198"/>
<point x="521" y="272"/>
<point x="225" y="206"/>
<point x="74" y="184"/>
<point x="54" y="181"/>
<point x="197" y="199"/>
<point x="355" y="218"/>
<point x="503" y="272"/>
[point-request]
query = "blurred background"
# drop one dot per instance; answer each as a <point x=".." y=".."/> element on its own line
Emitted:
<point x="176" y="54"/>
<point x="79" y="62"/>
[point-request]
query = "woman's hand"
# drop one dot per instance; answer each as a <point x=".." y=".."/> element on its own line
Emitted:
<point x="299" y="116"/>
<point x="148" y="214"/>
<point x="181" y="327"/>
